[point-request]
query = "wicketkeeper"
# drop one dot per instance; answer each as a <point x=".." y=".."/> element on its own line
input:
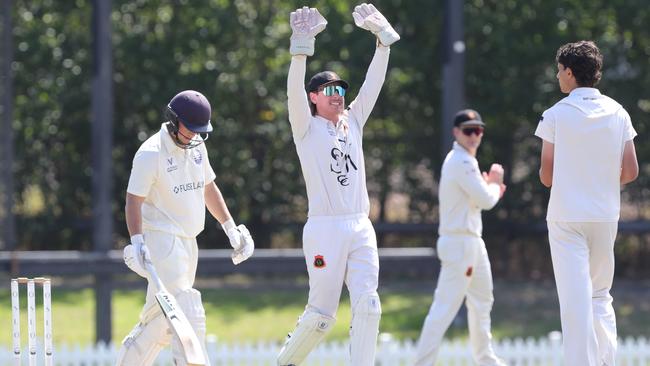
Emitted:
<point x="171" y="185"/>
<point x="339" y="241"/>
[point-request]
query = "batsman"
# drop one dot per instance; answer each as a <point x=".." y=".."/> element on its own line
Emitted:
<point x="339" y="241"/>
<point x="170" y="186"/>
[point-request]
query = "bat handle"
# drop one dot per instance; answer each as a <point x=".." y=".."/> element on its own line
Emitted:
<point x="154" y="275"/>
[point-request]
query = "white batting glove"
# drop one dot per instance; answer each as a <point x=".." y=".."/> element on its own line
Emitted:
<point x="305" y="23"/>
<point x="240" y="240"/>
<point x="132" y="262"/>
<point x="247" y="247"/>
<point x="366" y="16"/>
<point x="136" y="256"/>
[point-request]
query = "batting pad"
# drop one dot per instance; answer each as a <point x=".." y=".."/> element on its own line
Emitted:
<point x="310" y="331"/>
<point x="142" y="345"/>
<point x="191" y="305"/>
<point x="365" y="327"/>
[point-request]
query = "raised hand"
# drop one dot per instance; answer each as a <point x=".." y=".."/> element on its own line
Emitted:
<point x="366" y="16"/>
<point x="305" y="23"/>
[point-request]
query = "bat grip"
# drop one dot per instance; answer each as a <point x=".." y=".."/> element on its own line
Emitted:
<point x="154" y="275"/>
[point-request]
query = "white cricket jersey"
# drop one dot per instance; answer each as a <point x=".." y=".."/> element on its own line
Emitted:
<point x="332" y="159"/>
<point x="172" y="180"/>
<point x="589" y="131"/>
<point x="463" y="193"/>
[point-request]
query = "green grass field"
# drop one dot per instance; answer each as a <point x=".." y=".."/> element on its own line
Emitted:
<point x="236" y="314"/>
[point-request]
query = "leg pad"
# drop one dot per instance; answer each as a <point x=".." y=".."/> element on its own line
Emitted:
<point x="311" y="329"/>
<point x="364" y="330"/>
<point x="142" y="345"/>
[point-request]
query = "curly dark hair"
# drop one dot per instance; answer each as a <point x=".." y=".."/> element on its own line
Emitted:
<point x="585" y="61"/>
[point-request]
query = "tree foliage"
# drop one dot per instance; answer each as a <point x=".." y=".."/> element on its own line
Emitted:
<point x="236" y="53"/>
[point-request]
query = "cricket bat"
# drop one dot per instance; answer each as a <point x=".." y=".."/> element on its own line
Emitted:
<point x="178" y="323"/>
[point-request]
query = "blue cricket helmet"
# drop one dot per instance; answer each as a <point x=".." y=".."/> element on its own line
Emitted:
<point x="192" y="109"/>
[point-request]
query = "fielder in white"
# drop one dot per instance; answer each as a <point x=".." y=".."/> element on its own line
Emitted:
<point x="465" y="271"/>
<point x="171" y="185"/>
<point x="338" y="240"/>
<point x="587" y="154"/>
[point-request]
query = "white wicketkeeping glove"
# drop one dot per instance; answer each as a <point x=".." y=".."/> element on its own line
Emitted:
<point x="240" y="240"/>
<point x="366" y="16"/>
<point x="135" y="255"/>
<point x="305" y="23"/>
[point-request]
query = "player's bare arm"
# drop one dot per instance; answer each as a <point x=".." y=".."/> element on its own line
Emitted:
<point x="629" y="165"/>
<point x="546" y="168"/>
<point x="133" y="212"/>
<point x="215" y="203"/>
<point x="135" y="253"/>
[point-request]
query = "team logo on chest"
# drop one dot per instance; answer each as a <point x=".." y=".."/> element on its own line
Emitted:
<point x="319" y="261"/>
<point x="171" y="166"/>
<point x="343" y="163"/>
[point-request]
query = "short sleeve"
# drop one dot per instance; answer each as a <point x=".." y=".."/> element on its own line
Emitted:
<point x="143" y="173"/>
<point x="546" y="127"/>
<point x="207" y="168"/>
<point x="629" y="132"/>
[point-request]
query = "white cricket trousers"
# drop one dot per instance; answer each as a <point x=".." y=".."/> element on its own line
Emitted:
<point x="583" y="264"/>
<point x="338" y="249"/>
<point x="344" y="249"/>
<point x="175" y="259"/>
<point x="465" y="273"/>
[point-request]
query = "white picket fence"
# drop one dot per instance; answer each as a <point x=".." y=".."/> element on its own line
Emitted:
<point x="518" y="352"/>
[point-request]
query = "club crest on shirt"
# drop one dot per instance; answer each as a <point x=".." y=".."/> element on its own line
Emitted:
<point x="319" y="261"/>
<point x="170" y="165"/>
<point x="197" y="156"/>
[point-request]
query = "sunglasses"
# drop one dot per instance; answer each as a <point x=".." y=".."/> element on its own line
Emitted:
<point x="478" y="131"/>
<point x="330" y="89"/>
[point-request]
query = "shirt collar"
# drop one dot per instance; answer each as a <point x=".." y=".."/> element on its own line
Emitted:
<point x="460" y="149"/>
<point x="326" y="120"/>
<point x="166" y="139"/>
<point x="585" y="92"/>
